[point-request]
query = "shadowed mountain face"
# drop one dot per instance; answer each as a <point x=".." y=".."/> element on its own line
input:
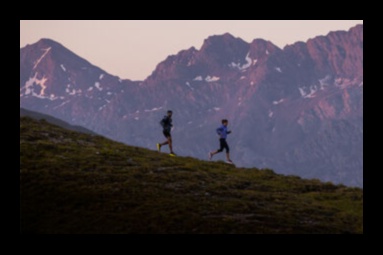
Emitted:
<point x="298" y="110"/>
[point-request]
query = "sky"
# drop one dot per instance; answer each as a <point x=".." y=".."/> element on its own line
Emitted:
<point x="131" y="49"/>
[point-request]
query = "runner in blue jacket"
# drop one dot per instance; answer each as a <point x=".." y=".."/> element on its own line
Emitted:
<point x="223" y="132"/>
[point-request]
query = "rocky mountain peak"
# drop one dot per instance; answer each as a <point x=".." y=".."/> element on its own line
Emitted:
<point x="222" y="50"/>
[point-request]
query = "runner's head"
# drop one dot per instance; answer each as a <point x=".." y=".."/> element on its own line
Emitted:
<point x="169" y="113"/>
<point x="225" y="122"/>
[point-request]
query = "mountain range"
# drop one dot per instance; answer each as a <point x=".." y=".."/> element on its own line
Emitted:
<point x="297" y="110"/>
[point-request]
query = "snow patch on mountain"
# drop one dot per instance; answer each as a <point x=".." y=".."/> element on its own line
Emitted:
<point x="308" y="92"/>
<point x="239" y="101"/>
<point x="240" y="67"/>
<point x="207" y="78"/>
<point x="211" y="78"/>
<point x="278" y="69"/>
<point x="198" y="78"/>
<point x="70" y="92"/>
<point x="101" y="76"/>
<point x="154" y="109"/>
<point x="98" y="85"/>
<point x="42" y="56"/>
<point x="324" y="82"/>
<point x="102" y="107"/>
<point x="248" y="61"/>
<point x="62" y="104"/>
<point x="344" y="82"/>
<point x="188" y="84"/>
<point x="279" y="101"/>
<point x="35" y="81"/>
<point x="63" y="67"/>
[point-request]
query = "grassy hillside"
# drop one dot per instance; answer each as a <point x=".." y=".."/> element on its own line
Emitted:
<point x="53" y="120"/>
<point x="77" y="183"/>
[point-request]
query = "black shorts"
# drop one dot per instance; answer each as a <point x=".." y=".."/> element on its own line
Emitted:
<point x="167" y="133"/>
<point x="223" y="145"/>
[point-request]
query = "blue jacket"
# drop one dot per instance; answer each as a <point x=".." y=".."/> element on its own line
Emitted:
<point x="223" y="132"/>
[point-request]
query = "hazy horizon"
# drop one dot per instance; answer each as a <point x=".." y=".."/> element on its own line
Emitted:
<point x="131" y="49"/>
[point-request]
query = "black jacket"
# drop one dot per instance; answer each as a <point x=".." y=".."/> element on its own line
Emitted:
<point x="166" y="123"/>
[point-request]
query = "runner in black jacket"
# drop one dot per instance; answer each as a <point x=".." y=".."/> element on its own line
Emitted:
<point x="167" y="125"/>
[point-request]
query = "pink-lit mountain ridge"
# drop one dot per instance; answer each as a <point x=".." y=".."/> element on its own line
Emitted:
<point x="297" y="110"/>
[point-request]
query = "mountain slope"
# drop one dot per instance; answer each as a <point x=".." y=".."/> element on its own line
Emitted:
<point x="77" y="183"/>
<point x="298" y="110"/>
<point x="53" y="120"/>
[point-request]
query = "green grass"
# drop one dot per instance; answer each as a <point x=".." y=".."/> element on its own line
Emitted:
<point x="77" y="183"/>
